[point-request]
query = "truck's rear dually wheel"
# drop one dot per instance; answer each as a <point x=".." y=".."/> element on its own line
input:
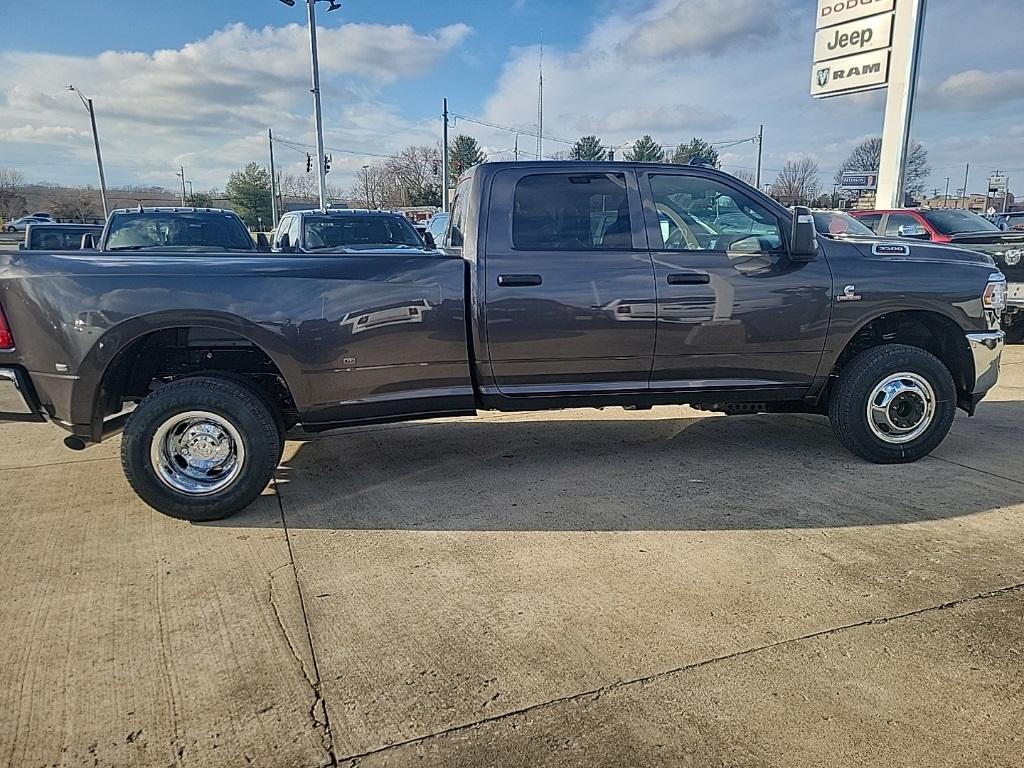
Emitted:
<point x="201" y="448"/>
<point x="893" y="404"/>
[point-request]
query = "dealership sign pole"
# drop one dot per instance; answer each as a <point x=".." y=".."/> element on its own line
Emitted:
<point x="899" y="102"/>
<point x="861" y="45"/>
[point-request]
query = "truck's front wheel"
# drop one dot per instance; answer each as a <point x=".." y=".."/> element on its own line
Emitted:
<point x="893" y="404"/>
<point x="200" y="448"/>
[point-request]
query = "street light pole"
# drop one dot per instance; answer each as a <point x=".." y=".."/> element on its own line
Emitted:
<point x="366" y="185"/>
<point x="946" y="201"/>
<point x="317" y="116"/>
<point x="87" y="103"/>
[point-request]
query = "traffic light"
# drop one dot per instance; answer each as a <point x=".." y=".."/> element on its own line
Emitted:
<point x="327" y="163"/>
<point x="309" y="163"/>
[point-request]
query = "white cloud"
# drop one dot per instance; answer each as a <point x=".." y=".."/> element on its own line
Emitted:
<point x="211" y="100"/>
<point x="977" y="89"/>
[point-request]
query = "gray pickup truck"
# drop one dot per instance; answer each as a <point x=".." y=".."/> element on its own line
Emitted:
<point x="557" y="285"/>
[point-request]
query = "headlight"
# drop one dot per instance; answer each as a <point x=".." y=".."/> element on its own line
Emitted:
<point x="994" y="297"/>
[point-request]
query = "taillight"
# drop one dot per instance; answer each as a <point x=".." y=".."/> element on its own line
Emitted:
<point x="6" y="337"/>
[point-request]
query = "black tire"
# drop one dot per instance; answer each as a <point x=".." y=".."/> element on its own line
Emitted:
<point x="236" y="405"/>
<point x="258" y="391"/>
<point x="11" y="229"/>
<point x="858" y="379"/>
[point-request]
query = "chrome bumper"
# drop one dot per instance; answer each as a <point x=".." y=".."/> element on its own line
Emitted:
<point x="986" y="349"/>
<point x="17" y="401"/>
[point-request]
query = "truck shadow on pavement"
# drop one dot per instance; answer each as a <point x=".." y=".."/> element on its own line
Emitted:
<point x="557" y="473"/>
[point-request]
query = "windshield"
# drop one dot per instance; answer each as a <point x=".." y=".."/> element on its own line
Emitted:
<point x="347" y="231"/>
<point x="178" y="231"/>
<point x="839" y="224"/>
<point x="954" y="222"/>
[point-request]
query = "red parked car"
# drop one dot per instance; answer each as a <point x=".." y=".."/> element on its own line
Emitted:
<point x="967" y="230"/>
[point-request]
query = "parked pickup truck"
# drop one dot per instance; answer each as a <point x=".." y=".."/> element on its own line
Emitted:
<point x="558" y="285"/>
<point x="48" y="236"/>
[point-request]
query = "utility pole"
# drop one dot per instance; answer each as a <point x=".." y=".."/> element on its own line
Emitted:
<point x="366" y="185"/>
<point x="181" y="173"/>
<point x="908" y="28"/>
<point x="1006" y="193"/>
<point x="760" y="144"/>
<point x="516" y="150"/>
<point x="967" y="173"/>
<point x="445" y="180"/>
<point x="87" y="103"/>
<point x="273" y="182"/>
<point x="946" y="203"/>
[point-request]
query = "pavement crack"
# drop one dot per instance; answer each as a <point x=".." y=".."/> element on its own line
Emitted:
<point x="596" y="693"/>
<point x="976" y="469"/>
<point x="318" y="709"/>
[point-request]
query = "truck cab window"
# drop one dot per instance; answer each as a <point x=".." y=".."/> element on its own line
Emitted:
<point x="702" y="214"/>
<point x="571" y="212"/>
<point x="457" y="226"/>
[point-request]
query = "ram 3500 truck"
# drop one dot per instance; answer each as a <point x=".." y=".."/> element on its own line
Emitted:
<point x="558" y="285"/>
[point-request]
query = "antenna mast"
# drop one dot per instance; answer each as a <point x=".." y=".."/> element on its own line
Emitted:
<point x="540" y="101"/>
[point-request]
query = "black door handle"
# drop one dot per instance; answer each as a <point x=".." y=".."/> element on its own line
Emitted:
<point x="689" y="278"/>
<point x="507" y="280"/>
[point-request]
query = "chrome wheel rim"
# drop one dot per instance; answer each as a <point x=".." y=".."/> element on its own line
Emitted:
<point x="901" y="408"/>
<point x="197" y="453"/>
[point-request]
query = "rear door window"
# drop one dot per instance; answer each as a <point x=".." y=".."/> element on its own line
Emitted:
<point x="897" y="220"/>
<point x="571" y="212"/>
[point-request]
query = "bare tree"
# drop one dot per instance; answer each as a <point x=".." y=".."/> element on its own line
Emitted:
<point x="375" y="187"/>
<point x="797" y="182"/>
<point x="76" y="204"/>
<point x="12" y="199"/>
<point x="302" y="185"/>
<point x="745" y="176"/>
<point x="417" y="173"/>
<point x="867" y="156"/>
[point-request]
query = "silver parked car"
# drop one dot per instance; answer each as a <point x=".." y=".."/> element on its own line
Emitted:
<point x="20" y="225"/>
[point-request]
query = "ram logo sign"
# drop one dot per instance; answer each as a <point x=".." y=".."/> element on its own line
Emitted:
<point x="851" y="73"/>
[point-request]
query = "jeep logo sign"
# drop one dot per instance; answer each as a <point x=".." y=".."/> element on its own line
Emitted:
<point x="850" y="73"/>
<point x="859" y="36"/>
<point x="832" y="12"/>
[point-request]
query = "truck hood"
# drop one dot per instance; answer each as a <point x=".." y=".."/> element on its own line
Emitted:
<point x="971" y="239"/>
<point x="916" y="250"/>
<point x="1005" y="248"/>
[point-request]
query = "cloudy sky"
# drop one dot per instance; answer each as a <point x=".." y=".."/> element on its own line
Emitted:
<point x="197" y="83"/>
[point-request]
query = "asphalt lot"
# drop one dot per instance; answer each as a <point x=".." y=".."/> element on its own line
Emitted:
<point x="576" y="588"/>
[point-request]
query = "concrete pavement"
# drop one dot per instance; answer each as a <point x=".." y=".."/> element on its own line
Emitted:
<point x="572" y="588"/>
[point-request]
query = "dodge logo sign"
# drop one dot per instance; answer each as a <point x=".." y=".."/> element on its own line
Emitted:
<point x="823" y="76"/>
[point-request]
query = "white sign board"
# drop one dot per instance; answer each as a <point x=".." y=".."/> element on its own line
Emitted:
<point x="859" y="72"/>
<point x="996" y="183"/>
<point x="831" y="12"/>
<point x="859" y="36"/>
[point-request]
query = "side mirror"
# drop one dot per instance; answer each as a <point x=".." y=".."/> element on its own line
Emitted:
<point x="262" y="244"/>
<point x="428" y="240"/>
<point x="88" y="242"/>
<point x="913" y="230"/>
<point x="803" y="241"/>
